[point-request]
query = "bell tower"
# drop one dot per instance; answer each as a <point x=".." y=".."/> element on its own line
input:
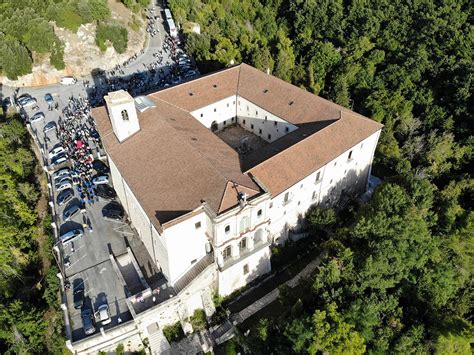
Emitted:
<point x="122" y="114"/>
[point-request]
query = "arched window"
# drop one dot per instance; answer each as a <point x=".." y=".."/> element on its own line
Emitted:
<point x="258" y="236"/>
<point x="244" y="224"/>
<point x="214" y="126"/>
<point x="227" y="253"/>
<point x="243" y="244"/>
<point x="124" y="115"/>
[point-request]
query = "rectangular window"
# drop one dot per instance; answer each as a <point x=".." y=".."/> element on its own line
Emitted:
<point x="233" y="103"/>
<point x="246" y="269"/>
<point x="275" y="123"/>
<point x="248" y="108"/>
<point x="197" y="225"/>
<point x="239" y="102"/>
<point x="227" y="229"/>
<point x="243" y="121"/>
<point x="227" y="104"/>
<point x="270" y="205"/>
<point x="223" y="123"/>
<point x="260" y="131"/>
<point x="318" y="176"/>
<point x="265" y="118"/>
<point x="215" y="110"/>
<point x="350" y="155"/>
<point x="256" y="113"/>
<point x="269" y="136"/>
<point x="251" y="126"/>
<point x="287" y="129"/>
<point x="287" y="197"/>
<point x="259" y="213"/>
<point x="314" y="195"/>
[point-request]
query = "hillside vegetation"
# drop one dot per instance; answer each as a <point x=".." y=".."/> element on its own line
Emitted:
<point x="399" y="274"/>
<point x="26" y="28"/>
<point x="30" y="318"/>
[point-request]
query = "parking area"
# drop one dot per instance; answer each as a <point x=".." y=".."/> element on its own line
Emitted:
<point x="86" y="265"/>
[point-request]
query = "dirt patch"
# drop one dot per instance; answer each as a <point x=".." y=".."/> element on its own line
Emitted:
<point x="81" y="54"/>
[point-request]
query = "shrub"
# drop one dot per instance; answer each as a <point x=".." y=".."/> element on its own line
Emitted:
<point x="114" y="33"/>
<point x="120" y="350"/>
<point x="51" y="291"/>
<point x="198" y="320"/>
<point x="173" y="332"/>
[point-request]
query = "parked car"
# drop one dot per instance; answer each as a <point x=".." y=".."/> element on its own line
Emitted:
<point x="105" y="191"/>
<point x="63" y="186"/>
<point x="64" y="197"/>
<point x="71" y="210"/>
<point x="59" y="159"/>
<point x="49" y="127"/>
<point x="78" y="296"/>
<point x="49" y="99"/>
<point x="61" y="180"/>
<point x="87" y="321"/>
<point x="68" y="80"/>
<point x="113" y="210"/>
<point x="61" y="173"/>
<point x="37" y="117"/>
<point x="27" y="102"/>
<point x="55" y="151"/>
<point x="100" y="179"/>
<point x="22" y="99"/>
<point x="103" y="314"/>
<point x="71" y="236"/>
<point x="100" y="167"/>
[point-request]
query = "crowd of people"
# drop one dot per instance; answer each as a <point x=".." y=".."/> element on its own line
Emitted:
<point x="163" y="71"/>
<point x="152" y="18"/>
<point x="76" y="129"/>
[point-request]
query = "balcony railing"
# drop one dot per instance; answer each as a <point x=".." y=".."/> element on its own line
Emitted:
<point x="230" y="261"/>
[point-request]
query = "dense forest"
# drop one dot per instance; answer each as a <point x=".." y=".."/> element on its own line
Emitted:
<point x="31" y="321"/>
<point x="26" y="28"/>
<point x="398" y="276"/>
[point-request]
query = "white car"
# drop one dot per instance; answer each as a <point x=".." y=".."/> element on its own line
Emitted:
<point x="55" y="151"/>
<point x="99" y="180"/>
<point x="63" y="186"/>
<point x="68" y="80"/>
<point x="61" y="173"/>
<point x="103" y="314"/>
<point x="37" y="117"/>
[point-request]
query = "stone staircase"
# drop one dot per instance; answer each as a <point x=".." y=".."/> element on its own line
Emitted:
<point x="157" y="341"/>
<point x="193" y="272"/>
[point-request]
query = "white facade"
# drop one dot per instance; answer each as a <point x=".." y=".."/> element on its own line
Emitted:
<point x="241" y="237"/>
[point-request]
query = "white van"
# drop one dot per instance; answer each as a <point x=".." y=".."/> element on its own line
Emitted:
<point x="168" y="14"/>
<point x="68" y="80"/>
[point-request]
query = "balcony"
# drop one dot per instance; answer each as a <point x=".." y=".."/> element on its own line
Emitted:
<point x="231" y="261"/>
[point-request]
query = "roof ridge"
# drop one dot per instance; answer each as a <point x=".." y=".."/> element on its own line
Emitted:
<point x="191" y="146"/>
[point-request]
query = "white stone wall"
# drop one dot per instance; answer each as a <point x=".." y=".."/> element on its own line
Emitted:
<point x="121" y="127"/>
<point x="261" y="122"/>
<point x="234" y="277"/>
<point x="218" y="112"/>
<point x="339" y="174"/>
<point x="153" y="242"/>
<point x="185" y="243"/>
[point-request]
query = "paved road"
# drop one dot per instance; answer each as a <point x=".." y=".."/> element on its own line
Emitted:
<point x="140" y="65"/>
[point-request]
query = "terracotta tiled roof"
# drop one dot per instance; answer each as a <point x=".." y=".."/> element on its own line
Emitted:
<point x="174" y="164"/>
